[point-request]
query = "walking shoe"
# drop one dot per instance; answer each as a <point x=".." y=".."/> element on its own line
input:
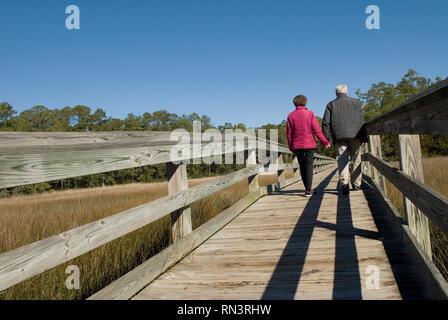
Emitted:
<point x="310" y="193"/>
<point x="345" y="189"/>
<point x="356" y="188"/>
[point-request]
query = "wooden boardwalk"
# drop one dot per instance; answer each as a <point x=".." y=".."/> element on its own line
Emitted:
<point x="267" y="245"/>
<point x="287" y="246"/>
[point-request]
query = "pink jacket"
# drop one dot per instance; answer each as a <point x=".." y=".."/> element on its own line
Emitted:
<point x="301" y="126"/>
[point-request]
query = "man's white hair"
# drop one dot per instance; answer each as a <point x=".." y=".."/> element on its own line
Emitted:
<point x="341" y="88"/>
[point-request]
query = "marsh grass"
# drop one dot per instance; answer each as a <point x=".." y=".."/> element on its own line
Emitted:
<point x="435" y="171"/>
<point x="266" y="179"/>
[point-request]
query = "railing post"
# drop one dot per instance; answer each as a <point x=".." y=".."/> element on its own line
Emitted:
<point x="250" y="161"/>
<point x="317" y="165"/>
<point x="280" y="173"/>
<point x="375" y="145"/>
<point x="411" y="164"/>
<point x="177" y="181"/>
<point x="296" y="170"/>
<point x="365" y="165"/>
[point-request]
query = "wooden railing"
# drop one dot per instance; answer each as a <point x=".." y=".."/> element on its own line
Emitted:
<point x="426" y="113"/>
<point x="28" y="158"/>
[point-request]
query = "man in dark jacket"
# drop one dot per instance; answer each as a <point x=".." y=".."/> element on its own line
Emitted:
<point x="344" y="119"/>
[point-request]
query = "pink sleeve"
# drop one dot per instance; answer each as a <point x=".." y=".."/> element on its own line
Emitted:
<point x="288" y="133"/>
<point x="318" y="132"/>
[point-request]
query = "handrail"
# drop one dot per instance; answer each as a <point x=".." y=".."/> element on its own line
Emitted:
<point x="35" y="157"/>
<point x="27" y="158"/>
<point x="426" y="113"/>
<point x="25" y="262"/>
<point x="433" y="204"/>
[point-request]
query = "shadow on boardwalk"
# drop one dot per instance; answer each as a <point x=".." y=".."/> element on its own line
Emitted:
<point x="347" y="280"/>
<point x="283" y="283"/>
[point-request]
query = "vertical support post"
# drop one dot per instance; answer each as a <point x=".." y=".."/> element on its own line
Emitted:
<point x="411" y="164"/>
<point x="365" y="165"/>
<point x="280" y="173"/>
<point x="177" y="181"/>
<point x="250" y="161"/>
<point x="296" y="170"/>
<point x="375" y="145"/>
<point x="317" y="165"/>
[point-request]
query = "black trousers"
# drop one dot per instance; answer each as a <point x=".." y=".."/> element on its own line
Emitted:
<point x="306" y="159"/>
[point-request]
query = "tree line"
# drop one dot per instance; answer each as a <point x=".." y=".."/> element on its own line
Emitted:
<point x="83" y="119"/>
<point x="383" y="97"/>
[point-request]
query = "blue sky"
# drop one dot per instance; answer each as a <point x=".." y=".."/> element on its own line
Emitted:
<point x="235" y="61"/>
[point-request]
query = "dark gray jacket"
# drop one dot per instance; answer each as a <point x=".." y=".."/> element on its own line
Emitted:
<point x="343" y="118"/>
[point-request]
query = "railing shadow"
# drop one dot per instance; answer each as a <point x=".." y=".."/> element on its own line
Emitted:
<point x="405" y="273"/>
<point x="347" y="279"/>
<point x="285" y="278"/>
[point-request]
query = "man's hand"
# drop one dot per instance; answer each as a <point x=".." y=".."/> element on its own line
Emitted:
<point x="328" y="146"/>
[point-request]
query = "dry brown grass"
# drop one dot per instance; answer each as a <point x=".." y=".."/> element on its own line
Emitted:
<point x="435" y="172"/>
<point x="267" y="179"/>
<point x="25" y="219"/>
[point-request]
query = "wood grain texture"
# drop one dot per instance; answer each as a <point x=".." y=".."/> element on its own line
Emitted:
<point x="22" y="169"/>
<point x="253" y="181"/>
<point x="134" y="281"/>
<point x="411" y="164"/>
<point x="316" y="248"/>
<point x="296" y="168"/>
<point x="38" y="142"/>
<point x="281" y="174"/>
<point x="180" y="219"/>
<point x="27" y="158"/>
<point x="426" y="113"/>
<point x="365" y="164"/>
<point x="24" y="262"/>
<point x="433" y="280"/>
<point x="375" y="145"/>
<point x="433" y="204"/>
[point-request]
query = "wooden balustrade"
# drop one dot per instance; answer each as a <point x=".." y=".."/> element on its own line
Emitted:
<point x="426" y="113"/>
<point x="27" y="158"/>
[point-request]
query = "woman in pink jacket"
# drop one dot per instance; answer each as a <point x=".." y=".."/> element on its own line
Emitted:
<point x="301" y="128"/>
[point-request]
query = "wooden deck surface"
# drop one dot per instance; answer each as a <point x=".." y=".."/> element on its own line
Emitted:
<point x="287" y="246"/>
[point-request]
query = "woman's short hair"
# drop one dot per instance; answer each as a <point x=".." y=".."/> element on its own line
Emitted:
<point x="300" y="100"/>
